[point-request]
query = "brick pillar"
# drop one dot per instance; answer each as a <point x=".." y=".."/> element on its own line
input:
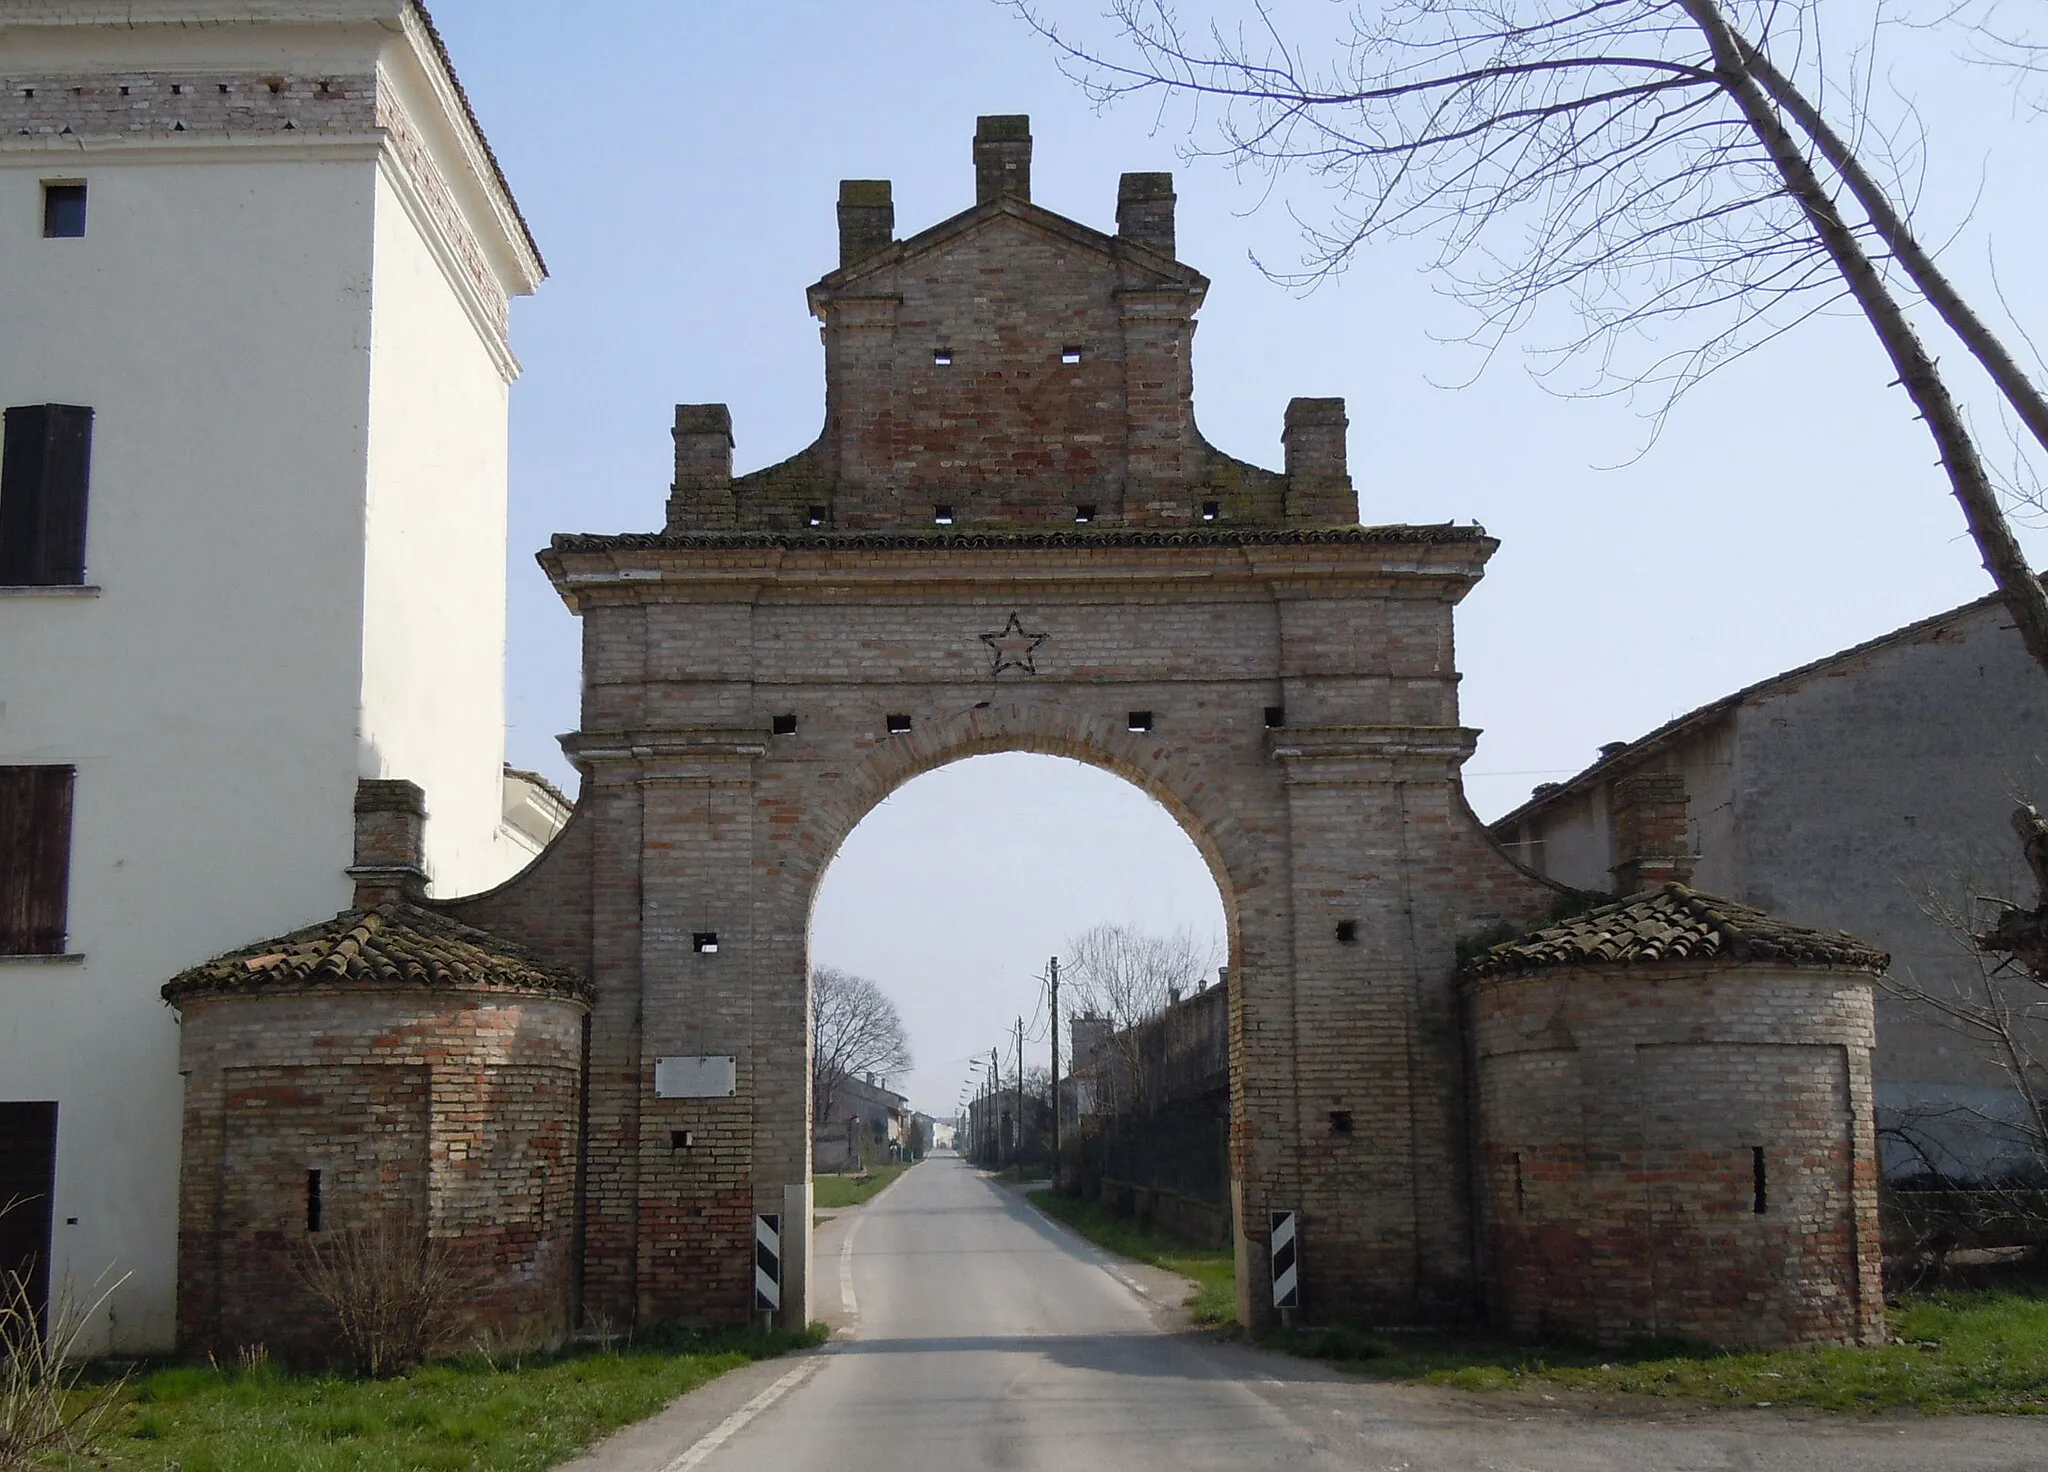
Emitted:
<point x="391" y="824"/>
<point x="701" y="498"/>
<point x="1318" y="481"/>
<point x="1144" y="210"/>
<point x="1652" y="836"/>
<point x="1002" y="157"/>
<point x="860" y="398"/>
<point x="1160" y="441"/>
<point x="867" y="218"/>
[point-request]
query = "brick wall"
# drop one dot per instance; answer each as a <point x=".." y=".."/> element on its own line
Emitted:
<point x="456" y="1109"/>
<point x="1621" y="1115"/>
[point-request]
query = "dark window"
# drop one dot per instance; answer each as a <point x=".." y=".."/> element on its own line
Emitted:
<point x="44" y="467"/>
<point x="704" y="942"/>
<point x="815" y="516"/>
<point x="1347" y="932"/>
<point x="898" y="724"/>
<point x="1084" y="513"/>
<point x="35" y="859"/>
<point x="942" y="357"/>
<point x="63" y="211"/>
<point x="28" y="1178"/>
<point x="1211" y="510"/>
<point x="1276" y="717"/>
<point x="942" y="515"/>
<point x="1759" y="1184"/>
<point x="315" y="1207"/>
<point x="1521" y="1196"/>
<point x="1070" y="355"/>
<point x="783" y="725"/>
<point x="1138" y="720"/>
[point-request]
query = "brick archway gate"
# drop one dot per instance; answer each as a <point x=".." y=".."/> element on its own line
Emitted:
<point x="1011" y="536"/>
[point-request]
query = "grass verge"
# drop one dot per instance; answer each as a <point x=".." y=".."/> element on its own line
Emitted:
<point x="1962" y="1351"/>
<point x="469" y="1414"/>
<point x="1213" y="1269"/>
<point x="1982" y="1349"/>
<point x="854" y="1190"/>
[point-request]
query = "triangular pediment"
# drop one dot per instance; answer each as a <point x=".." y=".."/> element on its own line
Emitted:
<point x="1138" y="264"/>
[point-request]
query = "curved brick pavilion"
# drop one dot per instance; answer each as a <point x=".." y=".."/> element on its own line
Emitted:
<point x="1676" y="1129"/>
<point x="390" y="1065"/>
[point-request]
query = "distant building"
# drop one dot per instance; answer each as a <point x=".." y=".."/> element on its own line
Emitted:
<point x="1840" y="794"/>
<point x="253" y="296"/>
<point x="864" y="1117"/>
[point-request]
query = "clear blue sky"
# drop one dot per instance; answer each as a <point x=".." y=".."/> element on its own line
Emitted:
<point x="679" y="166"/>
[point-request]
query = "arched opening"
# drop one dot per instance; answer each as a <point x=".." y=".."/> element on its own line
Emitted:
<point x="954" y="891"/>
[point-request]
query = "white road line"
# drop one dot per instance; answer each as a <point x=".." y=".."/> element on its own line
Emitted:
<point x="846" y="1271"/>
<point x="732" y="1425"/>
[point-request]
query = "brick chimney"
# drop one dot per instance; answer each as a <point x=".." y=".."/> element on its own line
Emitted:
<point x="867" y="218"/>
<point x="391" y="826"/>
<point x="1652" y="837"/>
<point x="1002" y="157"/>
<point x="1318" y="480"/>
<point x="1144" y="210"/>
<point x="701" y="499"/>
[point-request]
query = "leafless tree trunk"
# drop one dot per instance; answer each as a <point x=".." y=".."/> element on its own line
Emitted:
<point x="855" y="1030"/>
<point x="1654" y="161"/>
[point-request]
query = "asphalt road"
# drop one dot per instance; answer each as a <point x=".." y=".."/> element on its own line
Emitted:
<point x="976" y="1334"/>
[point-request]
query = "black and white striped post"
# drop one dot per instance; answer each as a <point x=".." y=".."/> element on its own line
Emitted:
<point x="1284" y="1244"/>
<point x="768" y="1265"/>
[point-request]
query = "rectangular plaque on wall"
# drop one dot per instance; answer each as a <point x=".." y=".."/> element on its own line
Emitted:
<point x="713" y="1076"/>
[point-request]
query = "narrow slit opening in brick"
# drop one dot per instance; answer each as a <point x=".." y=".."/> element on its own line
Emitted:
<point x="942" y="357"/>
<point x="1276" y="717"/>
<point x="1759" y="1197"/>
<point x="177" y="89"/>
<point x="680" y="1139"/>
<point x="1070" y="355"/>
<point x="942" y="516"/>
<point x="1211" y="510"/>
<point x="704" y="942"/>
<point x="815" y="516"/>
<point x="898" y="725"/>
<point x="1521" y="1198"/>
<point x="1140" y="720"/>
<point x="783" y="725"/>
<point x="1340" y="1121"/>
<point x="223" y="89"/>
<point x="314" y="1205"/>
<point x="1347" y="932"/>
<point x="1084" y="513"/>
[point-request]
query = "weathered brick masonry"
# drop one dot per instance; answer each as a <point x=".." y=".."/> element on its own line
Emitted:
<point x="390" y="1065"/>
<point x="1010" y="536"/>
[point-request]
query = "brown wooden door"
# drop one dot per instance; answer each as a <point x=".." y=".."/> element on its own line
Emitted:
<point x="28" y="1180"/>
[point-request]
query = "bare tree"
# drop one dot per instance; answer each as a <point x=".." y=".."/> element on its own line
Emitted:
<point x="1127" y="977"/>
<point x="855" y="1030"/>
<point x="1656" y="163"/>
<point x="393" y="1290"/>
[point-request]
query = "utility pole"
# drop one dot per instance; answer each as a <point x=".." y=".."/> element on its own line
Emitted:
<point x="1056" y="1099"/>
<point x="1020" y="1093"/>
<point x="995" y="1105"/>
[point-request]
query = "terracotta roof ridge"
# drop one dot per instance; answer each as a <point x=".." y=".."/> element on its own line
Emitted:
<point x="1672" y="923"/>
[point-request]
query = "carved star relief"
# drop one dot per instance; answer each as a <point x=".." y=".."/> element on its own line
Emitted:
<point x="1012" y="648"/>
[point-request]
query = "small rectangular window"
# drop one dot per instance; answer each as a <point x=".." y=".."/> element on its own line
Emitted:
<point x="1211" y="510"/>
<point x="1759" y="1194"/>
<point x="315" y="1206"/>
<point x="45" y="462"/>
<point x="704" y="942"/>
<point x="783" y="725"/>
<point x="1084" y="514"/>
<point x="63" y="211"/>
<point x="1276" y="717"/>
<point x="942" y="516"/>
<point x="898" y="725"/>
<point x="815" y="516"/>
<point x="35" y="859"/>
<point x="1070" y="355"/>
<point x="1138" y="720"/>
<point x="942" y="357"/>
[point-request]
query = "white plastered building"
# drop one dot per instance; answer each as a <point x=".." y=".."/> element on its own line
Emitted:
<point x="265" y="244"/>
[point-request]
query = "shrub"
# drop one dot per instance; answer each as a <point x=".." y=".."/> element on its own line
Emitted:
<point x="390" y="1287"/>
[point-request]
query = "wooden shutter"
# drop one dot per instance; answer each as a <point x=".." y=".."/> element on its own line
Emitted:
<point x="35" y="859"/>
<point x="44" y="472"/>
